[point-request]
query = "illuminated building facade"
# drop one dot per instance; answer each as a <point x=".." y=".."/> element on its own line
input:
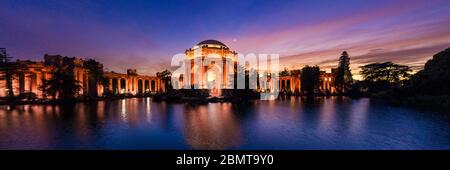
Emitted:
<point x="292" y="83"/>
<point x="213" y="62"/>
<point x="30" y="76"/>
<point x="212" y="66"/>
<point x="133" y="83"/>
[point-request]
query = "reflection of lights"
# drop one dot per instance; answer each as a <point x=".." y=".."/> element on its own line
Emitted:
<point x="358" y="115"/>
<point x="149" y="113"/>
<point x="212" y="127"/>
<point x="124" y="110"/>
<point x="327" y="117"/>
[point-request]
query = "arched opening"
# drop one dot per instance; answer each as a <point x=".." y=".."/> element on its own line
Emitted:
<point x="21" y="83"/>
<point x="115" y="86"/>
<point x="211" y="79"/>
<point x="123" y="86"/>
<point x="147" y="86"/>
<point x="288" y="85"/>
<point x="153" y="86"/>
<point x="283" y="85"/>
<point x="214" y="80"/>
<point x="140" y="87"/>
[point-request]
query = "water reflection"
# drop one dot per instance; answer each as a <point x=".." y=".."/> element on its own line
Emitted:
<point x="212" y="126"/>
<point x="148" y="110"/>
<point x="358" y="117"/>
<point x="286" y="123"/>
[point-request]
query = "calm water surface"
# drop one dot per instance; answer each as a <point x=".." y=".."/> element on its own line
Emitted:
<point x="293" y="123"/>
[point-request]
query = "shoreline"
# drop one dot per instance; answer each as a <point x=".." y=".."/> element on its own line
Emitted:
<point x="421" y="102"/>
<point x="158" y="98"/>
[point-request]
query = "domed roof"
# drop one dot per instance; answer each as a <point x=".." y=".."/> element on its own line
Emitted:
<point x="213" y="42"/>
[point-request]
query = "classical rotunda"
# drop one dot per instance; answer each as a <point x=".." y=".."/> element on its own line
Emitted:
<point x="212" y="66"/>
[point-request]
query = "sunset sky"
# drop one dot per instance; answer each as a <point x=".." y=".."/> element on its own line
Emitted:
<point x="146" y="34"/>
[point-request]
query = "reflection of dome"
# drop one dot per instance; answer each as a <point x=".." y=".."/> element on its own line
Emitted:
<point x="212" y="42"/>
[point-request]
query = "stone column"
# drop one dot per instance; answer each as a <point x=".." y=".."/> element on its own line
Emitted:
<point x="34" y="86"/>
<point x="130" y="85"/>
<point x="100" y="90"/>
<point x="28" y="82"/>
<point x="235" y="75"/>
<point x="127" y="85"/>
<point x="224" y="73"/>
<point x="192" y="73"/>
<point x="119" y="85"/>
<point x="22" y="85"/>
<point x="202" y="82"/>
<point x="135" y="81"/>
<point x="324" y="85"/>
<point x="38" y="84"/>
<point x="157" y="85"/>
<point x="79" y="77"/>
<point x="86" y="84"/>
<point x="133" y="85"/>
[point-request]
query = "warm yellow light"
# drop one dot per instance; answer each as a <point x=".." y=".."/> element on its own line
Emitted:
<point x="211" y="76"/>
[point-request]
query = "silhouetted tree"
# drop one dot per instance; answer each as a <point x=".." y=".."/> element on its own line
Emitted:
<point x="95" y="76"/>
<point x="3" y="55"/>
<point x="427" y="88"/>
<point x="10" y="69"/>
<point x="381" y="76"/>
<point x="296" y="72"/>
<point x="166" y="77"/>
<point x="285" y="72"/>
<point x="344" y="77"/>
<point x="434" y="79"/>
<point x="62" y="84"/>
<point x="310" y="79"/>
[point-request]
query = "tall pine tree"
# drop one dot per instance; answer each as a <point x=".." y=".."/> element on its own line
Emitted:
<point x="344" y="76"/>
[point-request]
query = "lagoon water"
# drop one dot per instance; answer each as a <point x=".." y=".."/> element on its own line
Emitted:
<point x="287" y="123"/>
